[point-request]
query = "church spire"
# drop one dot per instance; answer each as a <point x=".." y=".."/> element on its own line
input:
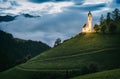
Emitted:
<point x="88" y="26"/>
<point x="89" y="13"/>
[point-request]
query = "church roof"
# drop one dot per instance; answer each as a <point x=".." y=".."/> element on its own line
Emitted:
<point x="84" y="25"/>
<point x="89" y="13"/>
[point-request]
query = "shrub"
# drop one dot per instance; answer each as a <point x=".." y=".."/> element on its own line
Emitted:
<point x="91" y="68"/>
<point x="112" y="28"/>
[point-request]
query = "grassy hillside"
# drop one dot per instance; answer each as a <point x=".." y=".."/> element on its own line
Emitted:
<point x="83" y="54"/>
<point x="111" y="74"/>
<point x="82" y="44"/>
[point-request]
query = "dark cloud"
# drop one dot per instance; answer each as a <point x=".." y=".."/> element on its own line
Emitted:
<point x="118" y="1"/>
<point x="39" y="1"/>
<point x="14" y="3"/>
<point x="94" y="7"/>
<point x="62" y="0"/>
<point x="4" y="0"/>
<point x="78" y="2"/>
<point x="89" y="7"/>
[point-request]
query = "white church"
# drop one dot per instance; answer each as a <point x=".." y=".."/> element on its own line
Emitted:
<point x="88" y="26"/>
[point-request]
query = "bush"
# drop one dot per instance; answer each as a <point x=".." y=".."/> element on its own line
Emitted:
<point x="84" y="70"/>
<point x="96" y="28"/>
<point x="103" y="28"/>
<point x="57" y="42"/>
<point x="112" y="28"/>
<point x="91" y="68"/>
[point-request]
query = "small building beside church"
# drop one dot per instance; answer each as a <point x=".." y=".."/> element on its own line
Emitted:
<point x="88" y="26"/>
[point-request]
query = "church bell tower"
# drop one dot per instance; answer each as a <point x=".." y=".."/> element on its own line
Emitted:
<point x="88" y="26"/>
<point x="90" y="21"/>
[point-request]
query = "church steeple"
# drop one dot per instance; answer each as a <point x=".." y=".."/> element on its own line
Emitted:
<point x="88" y="27"/>
<point x="89" y="13"/>
<point x="90" y="20"/>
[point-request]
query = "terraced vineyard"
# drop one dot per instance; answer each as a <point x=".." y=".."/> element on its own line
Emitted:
<point x="82" y="54"/>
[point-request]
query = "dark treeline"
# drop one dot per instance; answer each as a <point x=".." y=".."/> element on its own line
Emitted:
<point x="14" y="51"/>
<point x="109" y="23"/>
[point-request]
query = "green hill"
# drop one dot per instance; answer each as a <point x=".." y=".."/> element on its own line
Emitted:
<point x="14" y="51"/>
<point x="111" y="74"/>
<point x="82" y="54"/>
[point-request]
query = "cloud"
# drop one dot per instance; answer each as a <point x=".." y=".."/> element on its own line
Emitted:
<point x="118" y="1"/>
<point x="39" y="1"/>
<point x="78" y="2"/>
<point x="114" y="4"/>
<point x="8" y="4"/>
<point x="62" y="25"/>
<point x="97" y="2"/>
<point x="93" y="7"/>
<point x="3" y="0"/>
<point x="32" y="8"/>
<point x="89" y="7"/>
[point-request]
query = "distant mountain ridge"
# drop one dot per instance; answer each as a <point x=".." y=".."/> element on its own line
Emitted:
<point x="8" y="18"/>
<point x="14" y="51"/>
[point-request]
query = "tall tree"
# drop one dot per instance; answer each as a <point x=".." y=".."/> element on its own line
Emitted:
<point x="108" y="18"/>
<point x="96" y="28"/>
<point x="103" y="28"/>
<point x="116" y="15"/>
<point x="112" y="28"/>
<point x="101" y="20"/>
<point x="57" y="42"/>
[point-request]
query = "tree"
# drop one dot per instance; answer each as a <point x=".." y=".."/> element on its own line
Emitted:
<point x="101" y="20"/>
<point x="108" y="18"/>
<point x="116" y="15"/>
<point x="96" y="28"/>
<point x="90" y="68"/>
<point x="112" y="28"/>
<point x="103" y="28"/>
<point x="57" y="42"/>
<point x="67" y="74"/>
<point x="93" y="68"/>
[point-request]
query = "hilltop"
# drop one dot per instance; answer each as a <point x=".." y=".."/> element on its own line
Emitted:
<point x="82" y="54"/>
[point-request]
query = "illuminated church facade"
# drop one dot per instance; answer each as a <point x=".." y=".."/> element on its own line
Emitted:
<point x="88" y="26"/>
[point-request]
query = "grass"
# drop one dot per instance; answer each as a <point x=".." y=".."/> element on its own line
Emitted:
<point x="70" y="58"/>
<point x="77" y="61"/>
<point x="111" y="74"/>
<point x="82" y="44"/>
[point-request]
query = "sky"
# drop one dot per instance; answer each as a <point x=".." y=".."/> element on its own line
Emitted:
<point x="57" y="18"/>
